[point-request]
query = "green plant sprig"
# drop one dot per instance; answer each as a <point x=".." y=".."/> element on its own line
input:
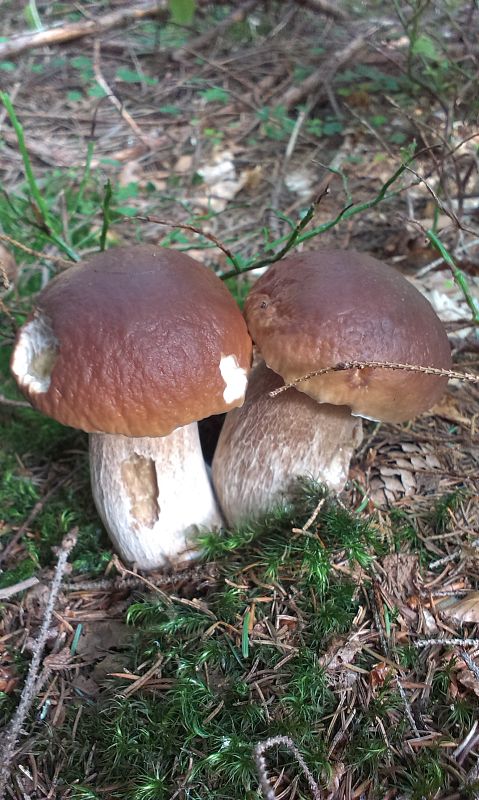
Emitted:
<point x="297" y="236"/>
<point x="106" y="214"/>
<point x="458" y="275"/>
<point x="47" y="224"/>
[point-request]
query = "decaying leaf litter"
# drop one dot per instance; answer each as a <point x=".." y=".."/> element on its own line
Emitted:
<point x="201" y="127"/>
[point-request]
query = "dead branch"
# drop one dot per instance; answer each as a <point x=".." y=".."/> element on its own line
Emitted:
<point x="10" y="591"/>
<point x="318" y="81"/>
<point x="326" y="8"/>
<point x="77" y="30"/>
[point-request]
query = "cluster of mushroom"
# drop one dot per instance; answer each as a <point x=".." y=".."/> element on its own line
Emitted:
<point x="137" y="344"/>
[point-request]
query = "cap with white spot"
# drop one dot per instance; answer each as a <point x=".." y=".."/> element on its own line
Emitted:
<point x="135" y="341"/>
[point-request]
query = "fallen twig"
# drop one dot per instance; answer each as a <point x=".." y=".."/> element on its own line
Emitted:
<point x="322" y="76"/>
<point x="260" y="761"/>
<point x="326" y="8"/>
<point x="9" y="738"/>
<point x="56" y="259"/>
<point x="9" y="591"/>
<point x="77" y="30"/>
<point x="345" y="365"/>
<point x="446" y="643"/>
<point x="114" y="100"/>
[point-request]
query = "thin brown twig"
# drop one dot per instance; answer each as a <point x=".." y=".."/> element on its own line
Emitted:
<point x="345" y="365"/>
<point x="311" y="519"/>
<point x="140" y="682"/>
<point x="56" y="259"/>
<point x="114" y="100"/>
<point x="125" y="571"/>
<point x="191" y="228"/>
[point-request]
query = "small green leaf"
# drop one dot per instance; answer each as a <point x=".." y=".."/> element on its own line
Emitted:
<point x="182" y="11"/>
<point x="128" y="75"/>
<point x="332" y="127"/>
<point x="96" y="91"/>
<point x="127" y="211"/>
<point x="215" y="95"/>
<point x="173" y="110"/>
<point x="81" y="62"/>
<point x="398" y="137"/>
<point x="426" y="47"/>
<point x="74" y="96"/>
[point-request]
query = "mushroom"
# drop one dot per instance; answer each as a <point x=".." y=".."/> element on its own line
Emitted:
<point x="134" y="346"/>
<point x="312" y="311"/>
<point x="268" y="443"/>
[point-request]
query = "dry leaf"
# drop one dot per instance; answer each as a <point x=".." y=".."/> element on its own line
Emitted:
<point x="401" y="574"/>
<point x="301" y="182"/>
<point x="460" y="609"/>
<point x="402" y="470"/>
<point x="8" y="679"/>
<point x="130" y="173"/>
<point x="58" y="661"/>
<point x="468" y="680"/>
<point x="445" y="296"/>
<point x="220" y="177"/>
<point x="378" y="675"/>
<point x="100" y="638"/>
<point x="184" y="164"/>
<point x="339" y="653"/>
<point x="251" y="178"/>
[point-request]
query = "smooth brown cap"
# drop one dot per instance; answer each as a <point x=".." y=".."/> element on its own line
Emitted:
<point x="324" y="307"/>
<point x="136" y="341"/>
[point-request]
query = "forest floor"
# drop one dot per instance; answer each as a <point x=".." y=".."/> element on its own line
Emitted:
<point x="354" y="635"/>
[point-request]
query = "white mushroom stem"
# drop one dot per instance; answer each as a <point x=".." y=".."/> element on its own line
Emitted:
<point x="152" y="494"/>
<point x="269" y="442"/>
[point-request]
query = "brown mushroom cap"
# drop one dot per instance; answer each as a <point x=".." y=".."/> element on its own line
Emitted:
<point x="135" y="341"/>
<point x="317" y="309"/>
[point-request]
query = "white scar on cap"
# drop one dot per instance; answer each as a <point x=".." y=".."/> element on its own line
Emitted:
<point x="235" y="378"/>
<point x="34" y="355"/>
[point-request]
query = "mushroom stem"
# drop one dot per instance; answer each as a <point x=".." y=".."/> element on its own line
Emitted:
<point x="269" y="442"/>
<point x="152" y="493"/>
